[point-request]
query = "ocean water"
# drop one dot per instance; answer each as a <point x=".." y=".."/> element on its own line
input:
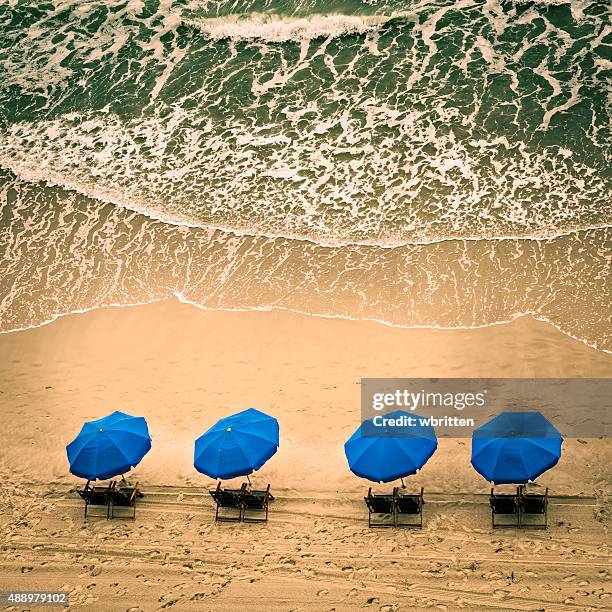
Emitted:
<point x="416" y="162"/>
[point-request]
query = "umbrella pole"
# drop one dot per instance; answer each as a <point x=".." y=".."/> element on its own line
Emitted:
<point x="249" y="480"/>
<point x="403" y="485"/>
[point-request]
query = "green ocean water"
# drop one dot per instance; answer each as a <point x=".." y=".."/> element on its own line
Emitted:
<point x="419" y="163"/>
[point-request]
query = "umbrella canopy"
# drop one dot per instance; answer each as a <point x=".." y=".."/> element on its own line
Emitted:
<point x="237" y="445"/>
<point x="382" y="453"/>
<point x="109" y="446"/>
<point x="515" y="447"/>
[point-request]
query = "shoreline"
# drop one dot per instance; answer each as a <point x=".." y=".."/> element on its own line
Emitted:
<point x="279" y="309"/>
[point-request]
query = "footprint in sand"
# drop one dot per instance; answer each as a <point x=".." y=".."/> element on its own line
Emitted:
<point x="569" y="578"/>
<point x="287" y="560"/>
<point x="322" y="593"/>
<point x="199" y="596"/>
<point x="169" y="603"/>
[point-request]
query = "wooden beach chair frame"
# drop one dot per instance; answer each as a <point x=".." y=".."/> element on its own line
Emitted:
<point x="124" y="497"/>
<point x="96" y="496"/>
<point x="228" y="499"/>
<point x="533" y="504"/>
<point x="409" y="505"/>
<point x="504" y="504"/>
<point x="381" y="504"/>
<point x="255" y="501"/>
<point x="395" y="505"/>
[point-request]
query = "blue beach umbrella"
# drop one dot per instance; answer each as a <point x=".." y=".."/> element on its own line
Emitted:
<point x="515" y="447"/>
<point x="386" y="452"/>
<point x="237" y="445"/>
<point x="109" y="446"/>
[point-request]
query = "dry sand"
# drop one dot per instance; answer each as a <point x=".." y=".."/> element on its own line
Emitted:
<point x="183" y="368"/>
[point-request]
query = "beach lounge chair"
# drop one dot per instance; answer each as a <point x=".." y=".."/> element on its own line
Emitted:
<point x="504" y="504"/>
<point x="382" y="507"/>
<point x="96" y="496"/>
<point x="533" y="504"/>
<point x="410" y="506"/>
<point x="123" y="496"/>
<point x="255" y="503"/>
<point x="229" y="499"/>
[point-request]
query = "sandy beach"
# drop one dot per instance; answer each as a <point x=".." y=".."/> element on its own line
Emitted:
<point x="183" y="368"/>
<point x="302" y="207"/>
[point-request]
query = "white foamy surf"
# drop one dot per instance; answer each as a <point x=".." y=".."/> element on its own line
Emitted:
<point x="114" y="256"/>
<point x="249" y="160"/>
<point x="278" y="28"/>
